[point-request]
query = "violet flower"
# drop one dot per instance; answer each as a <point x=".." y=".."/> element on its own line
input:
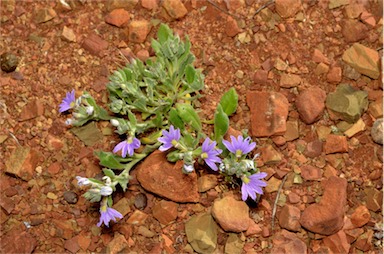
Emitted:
<point x="169" y="139"/>
<point x="239" y="146"/>
<point x="82" y="181"/>
<point x="68" y="102"/>
<point x="127" y="146"/>
<point x="252" y="185"/>
<point x="107" y="214"/>
<point x="210" y="153"/>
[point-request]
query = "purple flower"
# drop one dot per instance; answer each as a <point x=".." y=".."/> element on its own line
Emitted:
<point x="252" y="185"/>
<point x="169" y="138"/>
<point x="68" y="102"/>
<point x="127" y="146"/>
<point x="82" y="181"/>
<point x="107" y="214"/>
<point x="239" y="146"/>
<point x="210" y="152"/>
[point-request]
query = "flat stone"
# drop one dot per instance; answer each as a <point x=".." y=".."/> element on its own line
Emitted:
<point x="353" y="10"/>
<point x="327" y="217"/>
<point x="334" y="75"/>
<point x="365" y="60"/>
<point x="309" y="172"/>
<point x="272" y="185"/>
<point x="269" y="111"/>
<point x="337" y="243"/>
<point x="231" y="27"/>
<point x="288" y="242"/>
<point x="292" y="132"/>
<point x="72" y="245"/>
<point x="335" y="144"/>
<point x="364" y="241"/>
<point x="17" y="241"/>
<point x="314" y="149"/>
<point x="287" y="8"/>
<point x="68" y="34"/>
<point x="260" y="77"/>
<point x="353" y="30"/>
<point x="137" y="218"/>
<point x="234" y="5"/>
<point x="166" y="179"/>
<point x="122" y="206"/>
<point x="375" y="108"/>
<point x="319" y="57"/>
<point x="138" y="30"/>
<point x="175" y="8"/>
<point x="23" y="162"/>
<point x="94" y="44"/>
<point x="321" y="69"/>
<point x="337" y="3"/>
<point x="150" y="4"/>
<point x="289" y="80"/>
<point x="233" y="245"/>
<point x="117" y="17"/>
<point x="310" y="104"/>
<point x="357" y="127"/>
<point x="289" y="218"/>
<point x="347" y="103"/>
<point x="374" y="199"/>
<point x="89" y="134"/>
<point x="360" y="216"/>
<point x="201" y="231"/>
<point x="232" y="215"/>
<point x="44" y="15"/>
<point x="280" y="64"/>
<point x="377" y="131"/>
<point x="144" y="231"/>
<point x="368" y="18"/>
<point x="117" y="245"/>
<point x="32" y="110"/>
<point x="269" y="155"/>
<point x="206" y="182"/>
<point x="165" y="211"/>
<point x="125" y="4"/>
<point x="253" y="229"/>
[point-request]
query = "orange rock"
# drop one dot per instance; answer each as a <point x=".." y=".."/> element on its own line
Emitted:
<point x="337" y="243"/>
<point x="361" y="216"/>
<point x="165" y="211"/>
<point x="175" y="8"/>
<point x="335" y="144"/>
<point x="117" y="17"/>
<point x="138" y="30"/>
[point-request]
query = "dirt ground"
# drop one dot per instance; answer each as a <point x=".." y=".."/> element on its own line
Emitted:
<point x="237" y="44"/>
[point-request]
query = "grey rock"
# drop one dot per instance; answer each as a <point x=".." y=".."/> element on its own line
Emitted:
<point x="377" y="131"/>
<point x="70" y="197"/>
<point x="201" y="231"/>
<point x="8" y="62"/>
<point x="141" y="201"/>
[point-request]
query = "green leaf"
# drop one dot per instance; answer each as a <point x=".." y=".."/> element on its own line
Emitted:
<point x="175" y="119"/>
<point x="109" y="172"/>
<point x="163" y="33"/>
<point x="229" y="101"/>
<point x="188" y="114"/>
<point x="190" y="74"/>
<point x="123" y="183"/>
<point x="109" y="160"/>
<point x="221" y="123"/>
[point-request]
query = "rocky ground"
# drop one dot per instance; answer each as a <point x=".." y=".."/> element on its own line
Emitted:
<point x="308" y="76"/>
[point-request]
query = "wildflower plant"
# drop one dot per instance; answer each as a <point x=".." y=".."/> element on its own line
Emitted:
<point x="152" y="107"/>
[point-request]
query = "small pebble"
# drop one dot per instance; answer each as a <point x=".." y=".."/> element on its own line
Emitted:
<point x="8" y="62"/>
<point x="70" y="197"/>
<point x="140" y="201"/>
<point x="377" y="131"/>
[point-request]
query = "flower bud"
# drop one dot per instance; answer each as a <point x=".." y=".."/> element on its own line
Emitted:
<point x="89" y="110"/>
<point x="106" y="191"/>
<point x="188" y="169"/>
<point x="115" y="123"/>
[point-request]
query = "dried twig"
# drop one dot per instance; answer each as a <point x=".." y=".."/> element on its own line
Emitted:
<point x="276" y="200"/>
<point x="263" y="7"/>
<point x="14" y="137"/>
<point x="221" y="9"/>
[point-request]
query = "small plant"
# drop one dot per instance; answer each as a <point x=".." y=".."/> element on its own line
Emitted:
<point x="153" y="106"/>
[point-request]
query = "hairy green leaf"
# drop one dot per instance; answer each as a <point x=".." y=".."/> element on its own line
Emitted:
<point x="109" y="160"/>
<point x="188" y="114"/>
<point x="221" y="123"/>
<point x="229" y="101"/>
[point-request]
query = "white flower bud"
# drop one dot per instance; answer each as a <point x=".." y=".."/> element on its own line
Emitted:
<point x="106" y="191"/>
<point x="89" y="110"/>
<point x="115" y="123"/>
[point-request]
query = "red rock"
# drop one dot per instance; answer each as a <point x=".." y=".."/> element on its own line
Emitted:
<point x="368" y="18"/>
<point x="310" y="104"/>
<point x="165" y="211"/>
<point x="289" y="218"/>
<point x="234" y="5"/>
<point x="287" y="8"/>
<point x="293" y="198"/>
<point x="321" y="68"/>
<point x="17" y="241"/>
<point x="143" y="55"/>
<point x="175" y="8"/>
<point x="269" y="111"/>
<point x="231" y="27"/>
<point x="117" y="17"/>
<point x="268" y="64"/>
<point x="117" y="245"/>
<point x="354" y="10"/>
<point x="318" y="57"/>
<point x="166" y="179"/>
<point x="83" y="241"/>
<point x="72" y="245"/>
<point x="327" y="217"/>
<point x="260" y="77"/>
<point x="7" y="204"/>
<point x="353" y="30"/>
<point x="334" y="75"/>
<point x="232" y="215"/>
<point x="289" y="80"/>
<point x="54" y="143"/>
<point x="33" y="109"/>
<point x="360" y="216"/>
<point x="23" y="162"/>
<point x="364" y="241"/>
<point x="309" y="172"/>
<point x="150" y="4"/>
<point x="353" y="234"/>
<point x="68" y="34"/>
<point x="138" y="30"/>
<point x="44" y="15"/>
<point x="335" y="144"/>
<point x="287" y="242"/>
<point x="374" y="199"/>
<point x="313" y="149"/>
<point x="337" y="243"/>
<point x="253" y="229"/>
<point x="54" y="168"/>
<point x="94" y="44"/>
<point x="137" y="218"/>
<point x="125" y="4"/>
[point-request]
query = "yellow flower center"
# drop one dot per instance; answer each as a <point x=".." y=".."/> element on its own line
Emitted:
<point x="174" y="142"/>
<point x="239" y="153"/>
<point x="72" y="104"/>
<point x="130" y="140"/>
<point x="204" y="155"/>
<point x="245" y="179"/>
